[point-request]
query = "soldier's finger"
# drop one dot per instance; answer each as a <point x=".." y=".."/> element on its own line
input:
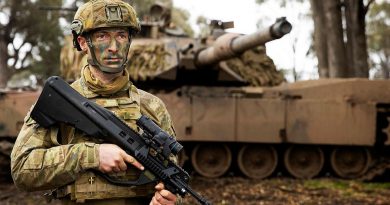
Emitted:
<point x="122" y="166"/>
<point x="129" y="159"/>
<point x="160" y="199"/>
<point x="116" y="169"/>
<point x="159" y="186"/>
<point x="105" y="169"/>
<point x="164" y="193"/>
<point x="167" y="195"/>
<point x="154" y="201"/>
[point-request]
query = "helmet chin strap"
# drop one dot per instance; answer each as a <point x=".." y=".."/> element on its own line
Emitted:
<point x="95" y="62"/>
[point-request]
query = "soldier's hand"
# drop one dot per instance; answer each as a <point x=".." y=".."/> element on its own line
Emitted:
<point x="163" y="196"/>
<point x="113" y="159"/>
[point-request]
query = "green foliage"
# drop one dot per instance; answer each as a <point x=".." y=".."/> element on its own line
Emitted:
<point x="180" y="18"/>
<point x="378" y="32"/>
<point x="32" y="35"/>
<point x="204" y="28"/>
<point x="378" y="27"/>
<point x="326" y="184"/>
<point x="344" y="185"/>
<point x="49" y="45"/>
<point x="282" y="3"/>
<point x="40" y="33"/>
<point x="260" y="1"/>
<point x="376" y="186"/>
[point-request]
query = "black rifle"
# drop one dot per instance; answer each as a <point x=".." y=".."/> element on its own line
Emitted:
<point x="60" y="103"/>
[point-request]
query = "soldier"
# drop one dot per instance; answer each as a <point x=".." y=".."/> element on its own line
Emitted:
<point x="61" y="158"/>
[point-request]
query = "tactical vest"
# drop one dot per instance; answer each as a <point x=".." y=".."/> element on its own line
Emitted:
<point x="88" y="186"/>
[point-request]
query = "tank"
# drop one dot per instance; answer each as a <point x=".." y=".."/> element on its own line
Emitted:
<point x="234" y="113"/>
<point x="14" y="104"/>
<point x="309" y="127"/>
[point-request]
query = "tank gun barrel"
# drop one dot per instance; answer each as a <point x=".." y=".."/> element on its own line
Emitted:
<point x="231" y="45"/>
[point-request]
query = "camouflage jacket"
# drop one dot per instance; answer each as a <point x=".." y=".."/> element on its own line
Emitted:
<point x="45" y="159"/>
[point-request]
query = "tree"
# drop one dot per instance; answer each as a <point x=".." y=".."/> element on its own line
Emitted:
<point x="357" y="55"/>
<point x="339" y="37"/>
<point x="341" y="48"/>
<point x="334" y="38"/>
<point x="29" y="37"/>
<point x="321" y="46"/>
<point x="378" y="33"/>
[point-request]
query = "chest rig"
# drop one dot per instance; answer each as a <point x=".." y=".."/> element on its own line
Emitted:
<point x="125" y="105"/>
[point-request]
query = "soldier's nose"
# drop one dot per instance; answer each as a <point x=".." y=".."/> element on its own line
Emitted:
<point x="113" y="46"/>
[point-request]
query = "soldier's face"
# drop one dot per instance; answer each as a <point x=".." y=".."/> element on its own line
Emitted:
<point x="110" y="46"/>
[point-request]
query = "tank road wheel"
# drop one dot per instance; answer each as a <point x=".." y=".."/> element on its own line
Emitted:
<point x="257" y="161"/>
<point x="350" y="162"/>
<point x="304" y="162"/>
<point x="211" y="160"/>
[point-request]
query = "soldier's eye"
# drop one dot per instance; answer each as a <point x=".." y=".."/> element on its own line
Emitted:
<point x="101" y="36"/>
<point x="122" y="36"/>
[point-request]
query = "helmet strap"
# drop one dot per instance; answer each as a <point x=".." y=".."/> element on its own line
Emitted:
<point x="75" y="42"/>
<point x="94" y="62"/>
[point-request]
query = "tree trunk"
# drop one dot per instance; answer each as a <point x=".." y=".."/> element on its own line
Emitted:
<point x="385" y="66"/>
<point x="350" y="72"/>
<point x="320" y="40"/>
<point x="334" y="30"/>
<point x="357" y="46"/>
<point x="4" y="71"/>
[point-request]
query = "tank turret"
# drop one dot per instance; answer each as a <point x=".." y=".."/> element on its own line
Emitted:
<point x="231" y="45"/>
<point x="221" y="59"/>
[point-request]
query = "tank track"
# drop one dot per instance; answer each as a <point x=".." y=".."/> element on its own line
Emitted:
<point x="377" y="169"/>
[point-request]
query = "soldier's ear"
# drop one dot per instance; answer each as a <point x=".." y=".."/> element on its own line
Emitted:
<point x="83" y="43"/>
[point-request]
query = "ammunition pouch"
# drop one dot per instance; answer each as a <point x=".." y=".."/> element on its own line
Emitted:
<point x="91" y="187"/>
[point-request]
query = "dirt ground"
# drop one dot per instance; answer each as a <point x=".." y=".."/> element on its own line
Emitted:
<point x="240" y="191"/>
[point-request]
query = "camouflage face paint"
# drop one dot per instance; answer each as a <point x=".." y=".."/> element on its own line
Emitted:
<point x="110" y="47"/>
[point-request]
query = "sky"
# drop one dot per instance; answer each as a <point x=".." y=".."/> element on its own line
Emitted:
<point x="246" y="14"/>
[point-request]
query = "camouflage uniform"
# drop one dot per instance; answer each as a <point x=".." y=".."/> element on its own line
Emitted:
<point x="45" y="159"/>
<point x="62" y="157"/>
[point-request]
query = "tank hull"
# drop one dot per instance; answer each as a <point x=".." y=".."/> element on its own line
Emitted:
<point x="283" y="114"/>
<point x="344" y="121"/>
<point x="13" y="108"/>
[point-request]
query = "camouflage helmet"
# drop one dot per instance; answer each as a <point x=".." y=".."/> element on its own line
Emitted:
<point x="103" y="14"/>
